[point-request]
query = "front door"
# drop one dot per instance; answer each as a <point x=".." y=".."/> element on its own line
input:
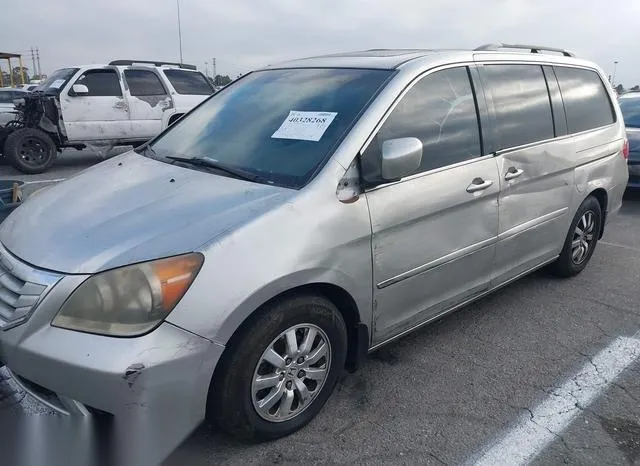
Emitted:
<point x="102" y="114"/>
<point x="536" y="171"/>
<point x="434" y="232"/>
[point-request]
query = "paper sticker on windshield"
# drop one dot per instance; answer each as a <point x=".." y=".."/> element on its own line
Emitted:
<point x="304" y="126"/>
<point x="57" y="83"/>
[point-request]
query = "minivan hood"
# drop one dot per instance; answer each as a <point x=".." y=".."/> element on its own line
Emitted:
<point x="131" y="209"/>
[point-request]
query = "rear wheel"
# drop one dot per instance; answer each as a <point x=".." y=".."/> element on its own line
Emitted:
<point x="280" y="370"/>
<point x="30" y="150"/>
<point x="581" y="239"/>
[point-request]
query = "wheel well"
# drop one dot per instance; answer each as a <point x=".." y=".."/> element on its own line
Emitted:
<point x="357" y="332"/>
<point x="175" y="117"/>
<point x="341" y="299"/>
<point x="601" y="196"/>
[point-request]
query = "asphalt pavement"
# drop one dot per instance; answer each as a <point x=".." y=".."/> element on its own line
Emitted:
<point x="545" y="371"/>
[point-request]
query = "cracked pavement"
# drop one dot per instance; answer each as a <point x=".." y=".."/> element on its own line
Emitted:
<point x="448" y="391"/>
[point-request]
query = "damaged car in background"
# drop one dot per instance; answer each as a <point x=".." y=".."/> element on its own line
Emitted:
<point x="99" y="106"/>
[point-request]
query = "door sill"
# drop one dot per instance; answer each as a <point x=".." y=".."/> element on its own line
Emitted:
<point x="460" y="305"/>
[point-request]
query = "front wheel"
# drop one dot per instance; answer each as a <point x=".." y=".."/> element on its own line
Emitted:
<point x="581" y="239"/>
<point x="30" y="150"/>
<point x="280" y="370"/>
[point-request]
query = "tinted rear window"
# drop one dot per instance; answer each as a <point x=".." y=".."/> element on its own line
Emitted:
<point x="189" y="82"/>
<point x="631" y="112"/>
<point x="521" y="103"/>
<point x="143" y="82"/>
<point x="585" y="99"/>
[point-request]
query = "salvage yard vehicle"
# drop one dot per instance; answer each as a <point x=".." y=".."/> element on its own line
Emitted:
<point x="305" y="215"/>
<point x="100" y="106"/>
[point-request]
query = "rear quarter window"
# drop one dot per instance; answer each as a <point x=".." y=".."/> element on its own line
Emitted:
<point x="189" y="82"/>
<point x="585" y="98"/>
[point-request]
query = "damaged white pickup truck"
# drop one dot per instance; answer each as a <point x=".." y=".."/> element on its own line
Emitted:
<point x="126" y="102"/>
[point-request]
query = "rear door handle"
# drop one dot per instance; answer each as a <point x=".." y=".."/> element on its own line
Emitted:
<point x="478" y="184"/>
<point x="513" y="173"/>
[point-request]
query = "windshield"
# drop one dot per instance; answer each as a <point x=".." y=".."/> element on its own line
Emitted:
<point x="631" y="112"/>
<point x="280" y="125"/>
<point x="57" y="80"/>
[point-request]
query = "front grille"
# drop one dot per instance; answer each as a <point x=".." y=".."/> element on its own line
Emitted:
<point x="21" y="287"/>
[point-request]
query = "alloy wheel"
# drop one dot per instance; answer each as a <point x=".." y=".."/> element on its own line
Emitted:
<point x="583" y="237"/>
<point x="291" y="372"/>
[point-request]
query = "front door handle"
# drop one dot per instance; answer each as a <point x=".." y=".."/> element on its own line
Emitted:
<point x="513" y="173"/>
<point x="478" y="184"/>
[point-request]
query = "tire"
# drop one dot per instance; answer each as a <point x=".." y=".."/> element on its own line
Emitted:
<point x="234" y="397"/>
<point x="30" y="150"/>
<point x="571" y="262"/>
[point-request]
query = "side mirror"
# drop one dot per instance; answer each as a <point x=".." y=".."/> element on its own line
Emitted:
<point x="400" y="157"/>
<point x="80" y="89"/>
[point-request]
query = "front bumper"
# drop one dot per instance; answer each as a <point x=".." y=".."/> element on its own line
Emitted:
<point x="155" y="386"/>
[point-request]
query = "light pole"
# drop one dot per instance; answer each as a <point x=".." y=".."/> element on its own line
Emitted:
<point x="613" y="79"/>
<point x="179" y="30"/>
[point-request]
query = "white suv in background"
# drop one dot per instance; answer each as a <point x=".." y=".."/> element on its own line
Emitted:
<point x="126" y="102"/>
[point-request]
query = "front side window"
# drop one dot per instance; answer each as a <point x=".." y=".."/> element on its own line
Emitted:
<point x="631" y="112"/>
<point x="439" y="110"/>
<point x="189" y="82"/>
<point x="521" y="104"/>
<point x="143" y="82"/>
<point x="280" y="125"/>
<point x="101" y="83"/>
<point x="586" y="100"/>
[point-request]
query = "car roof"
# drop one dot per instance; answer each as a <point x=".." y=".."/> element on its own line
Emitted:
<point x="13" y="89"/>
<point x="392" y="59"/>
<point x="374" y="58"/>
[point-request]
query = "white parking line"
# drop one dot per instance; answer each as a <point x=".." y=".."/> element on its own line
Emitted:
<point x="616" y="245"/>
<point x="545" y="423"/>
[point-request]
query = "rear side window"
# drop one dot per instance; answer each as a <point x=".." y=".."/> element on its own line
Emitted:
<point x="521" y="104"/>
<point x="143" y="82"/>
<point x="101" y="83"/>
<point x="440" y="110"/>
<point x="189" y="82"/>
<point x="585" y="99"/>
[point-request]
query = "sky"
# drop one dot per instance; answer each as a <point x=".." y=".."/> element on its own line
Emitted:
<point x="245" y="34"/>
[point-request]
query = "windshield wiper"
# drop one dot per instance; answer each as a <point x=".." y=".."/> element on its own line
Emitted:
<point x="212" y="164"/>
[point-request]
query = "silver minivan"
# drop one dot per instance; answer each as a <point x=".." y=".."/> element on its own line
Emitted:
<point x="302" y="217"/>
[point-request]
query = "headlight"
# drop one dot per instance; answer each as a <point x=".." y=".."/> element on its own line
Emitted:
<point x="131" y="300"/>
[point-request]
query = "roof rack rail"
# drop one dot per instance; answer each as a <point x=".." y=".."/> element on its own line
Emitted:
<point x="152" y="62"/>
<point x="531" y="48"/>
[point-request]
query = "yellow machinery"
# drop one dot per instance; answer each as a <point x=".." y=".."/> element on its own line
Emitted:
<point x="8" y="57"/>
